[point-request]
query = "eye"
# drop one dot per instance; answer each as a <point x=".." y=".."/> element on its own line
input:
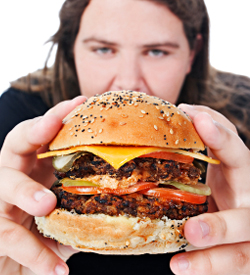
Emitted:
<point x="103" y="50"/>
<point x="157" y="53"/>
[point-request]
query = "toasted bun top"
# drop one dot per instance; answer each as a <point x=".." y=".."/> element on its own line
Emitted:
<point x="127" y="118"/>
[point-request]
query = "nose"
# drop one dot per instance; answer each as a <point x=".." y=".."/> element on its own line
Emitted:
<point x="128" y="75"/>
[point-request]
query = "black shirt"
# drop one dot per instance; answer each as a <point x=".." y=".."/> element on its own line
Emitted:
<point x="17" y="106"/>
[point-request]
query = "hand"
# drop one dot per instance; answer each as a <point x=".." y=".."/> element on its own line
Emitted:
<point x="223" y="234"/>
<point x="24" y="181"/>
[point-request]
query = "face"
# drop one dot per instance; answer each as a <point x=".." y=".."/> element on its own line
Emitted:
<point x="131" y="45"/>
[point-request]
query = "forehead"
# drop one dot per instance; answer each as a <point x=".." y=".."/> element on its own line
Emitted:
<point x="130" y="19"/>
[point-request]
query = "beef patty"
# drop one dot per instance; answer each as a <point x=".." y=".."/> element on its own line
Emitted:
<point x="145" y="169"/>
<point x="135" y="205"/>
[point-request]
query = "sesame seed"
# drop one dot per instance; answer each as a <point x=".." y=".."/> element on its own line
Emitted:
<point x="177" y="141"/>
<point x="136" y="104"/>
<point x="156" y="128"/>
<point x="141" y="116"/>
<point x="171" y="131"/>
<point x="92" y="121"/>
<point x="85" y="124"/>
<point x="90" y="130"/>
<point x="168" y="119"/>
<point x="143" y="112"/>
<point x="122" y="123"/>
<point x="160" y="117"/>
<point x="100" y="131"/>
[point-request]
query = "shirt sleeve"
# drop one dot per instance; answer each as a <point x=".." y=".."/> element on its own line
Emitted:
<point x="17" y="106"/>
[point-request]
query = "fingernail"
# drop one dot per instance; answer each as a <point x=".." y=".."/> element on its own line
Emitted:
<point x="60" y="270"/>
<point x="183" y="263"/>
<point x="40" y="194"/>
<point x="204" y="228"/>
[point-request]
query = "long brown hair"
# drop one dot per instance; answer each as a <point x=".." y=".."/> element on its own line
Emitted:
<point x="65" y="85"/>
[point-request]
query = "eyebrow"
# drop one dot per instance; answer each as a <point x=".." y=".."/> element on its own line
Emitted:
<point x="94" y="39"/>
<point x="154" y="45"/>
<point x="166" y="44"/>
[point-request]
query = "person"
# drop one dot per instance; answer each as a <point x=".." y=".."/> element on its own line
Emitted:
<point x="159" y="47"/>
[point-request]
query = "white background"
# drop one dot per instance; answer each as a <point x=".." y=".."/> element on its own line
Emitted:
<point x="25" y="26"/>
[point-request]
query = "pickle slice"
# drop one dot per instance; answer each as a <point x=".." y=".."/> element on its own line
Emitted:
<point x="199" y="188"/>
<point x="76" y="182"/>
<point x="64" y="163"/>
<point x="199" y="165"/>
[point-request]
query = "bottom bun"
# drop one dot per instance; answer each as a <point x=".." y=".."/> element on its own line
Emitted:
<point x="105" y="234"/>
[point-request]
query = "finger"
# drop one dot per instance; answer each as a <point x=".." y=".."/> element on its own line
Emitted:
<point x="19" y="190"/>
<point x="223" y="142"/>
<point x="193" y="110"/>
<point x="41" y="130"/>
<point x="22" y="246"/>
<point x="31" y="135"/>
<point x="224" y="227"/>
<point x="224" y="260"/>
<point x="63" y="251"/>
<point x="65" y="107"/>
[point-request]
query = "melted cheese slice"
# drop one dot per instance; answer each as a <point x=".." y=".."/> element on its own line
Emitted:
<point x="119" y="155"/>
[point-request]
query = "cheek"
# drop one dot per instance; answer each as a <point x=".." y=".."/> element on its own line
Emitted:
<point x="94" y="77"/>
<point x="166" y="80"/>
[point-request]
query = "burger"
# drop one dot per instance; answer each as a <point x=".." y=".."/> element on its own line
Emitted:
<point x="128" y="167"/>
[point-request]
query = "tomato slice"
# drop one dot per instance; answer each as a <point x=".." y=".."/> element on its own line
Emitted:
<point x="92" y="190"/>
<point x="175" y="195"/>
<point x="169" y="156"/>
